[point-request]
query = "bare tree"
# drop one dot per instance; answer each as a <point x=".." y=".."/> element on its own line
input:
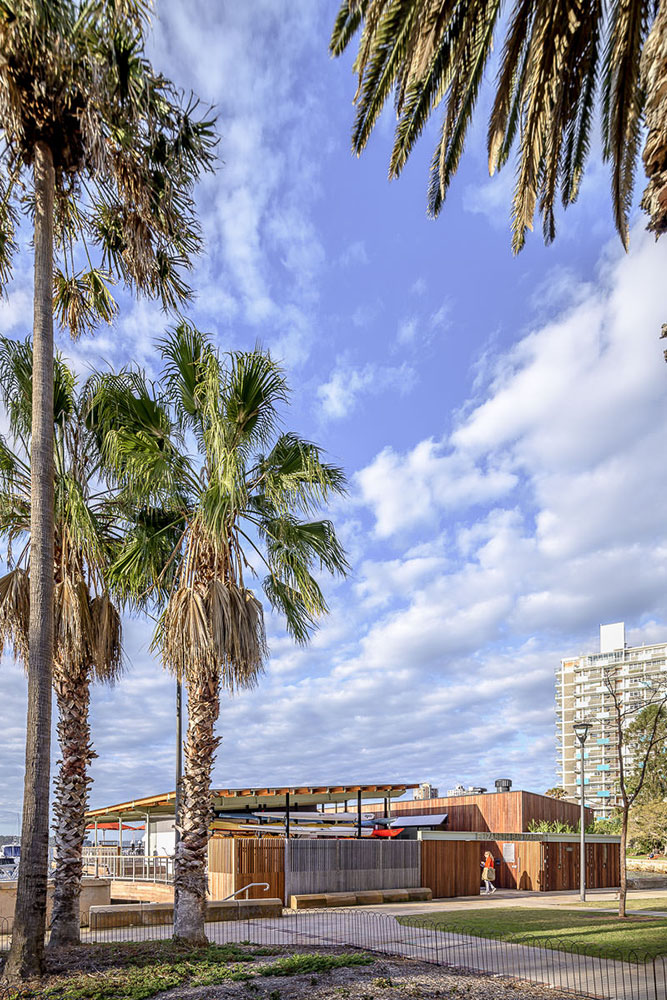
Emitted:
<point x="631" y="783"/>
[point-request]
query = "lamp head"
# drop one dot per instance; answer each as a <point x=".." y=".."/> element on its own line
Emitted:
<point x="581" y="731"/>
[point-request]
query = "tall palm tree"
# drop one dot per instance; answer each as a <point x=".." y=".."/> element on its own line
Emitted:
<point x="87" y="636"/>
<point x="563" y="62"/>
<point x="101" y="152"/>
<point x="243" y="503"/>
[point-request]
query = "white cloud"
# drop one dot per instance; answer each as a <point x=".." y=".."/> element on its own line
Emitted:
<point x="347" y="385"/>
<point x="409" y="491"/>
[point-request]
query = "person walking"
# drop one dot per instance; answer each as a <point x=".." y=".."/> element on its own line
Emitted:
<point x="488" y="872"/>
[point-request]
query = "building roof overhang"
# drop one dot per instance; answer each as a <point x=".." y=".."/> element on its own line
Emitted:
<point x="248" y="799"/>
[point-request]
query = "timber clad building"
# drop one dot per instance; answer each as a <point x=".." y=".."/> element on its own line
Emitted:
<point x="443" y="855"/>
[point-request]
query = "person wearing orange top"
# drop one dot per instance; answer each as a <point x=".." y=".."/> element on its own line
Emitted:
<point x="488" y="872"/>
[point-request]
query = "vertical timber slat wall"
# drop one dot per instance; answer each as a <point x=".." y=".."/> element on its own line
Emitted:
<point x="451" y="867"/>
<point x="233" y="864"/>
<point x="220" y="867"/>
<point x="353" y="865"/>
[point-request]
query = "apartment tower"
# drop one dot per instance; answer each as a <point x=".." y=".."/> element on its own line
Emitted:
<point x="583" y="696"/>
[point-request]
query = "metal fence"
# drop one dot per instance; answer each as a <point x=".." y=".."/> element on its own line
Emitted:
<point x="130" y="867"/>
<point x="552" y="962"/>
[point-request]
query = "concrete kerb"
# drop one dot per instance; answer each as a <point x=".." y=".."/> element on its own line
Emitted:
<point x="158" y="914"/>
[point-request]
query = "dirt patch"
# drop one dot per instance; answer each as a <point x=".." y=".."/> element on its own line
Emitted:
<point x="385" y="979"/>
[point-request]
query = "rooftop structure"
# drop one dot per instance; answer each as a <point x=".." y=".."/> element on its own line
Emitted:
<point x="583" y="696"/>
<point x="234" y="808"/>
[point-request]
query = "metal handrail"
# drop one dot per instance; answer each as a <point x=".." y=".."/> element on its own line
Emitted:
<point x="264" y="885"/>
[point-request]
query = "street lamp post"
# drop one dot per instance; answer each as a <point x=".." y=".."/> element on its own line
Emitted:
<point x="581" y="732"/>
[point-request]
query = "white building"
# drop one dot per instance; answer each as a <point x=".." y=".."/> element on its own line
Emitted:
<point x="583" y="696"/>
<point x="426" y="791"/>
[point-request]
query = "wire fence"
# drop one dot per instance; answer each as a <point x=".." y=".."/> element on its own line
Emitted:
<point x="553" y="962"/>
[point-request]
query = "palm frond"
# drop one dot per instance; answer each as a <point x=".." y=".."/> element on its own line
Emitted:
<point x="106" y="639"/>
<point x="254" y="388"/>
<point x="348" y="20"/>
<point x="136" y="437"/>
<point x="145" y="564"/>
<point x="16" y="386"/>
<point x="293" y="474"/>
<point x="623" y="101"/>
<point x="215" y="631"/>
<point x="289" y="603"/>
<point x="15" y="613"/>
<point x="82" y="300"/>
<point x="184" y="351"/>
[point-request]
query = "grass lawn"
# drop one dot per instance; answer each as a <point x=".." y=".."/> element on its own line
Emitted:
<point x="559" y="929"/>
<point x="141" y="971"/>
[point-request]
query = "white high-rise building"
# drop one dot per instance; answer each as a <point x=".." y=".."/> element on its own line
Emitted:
<point x="583" y="696"/>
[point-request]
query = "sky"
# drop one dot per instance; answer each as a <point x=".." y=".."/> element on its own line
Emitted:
<point x="501" y="422"/>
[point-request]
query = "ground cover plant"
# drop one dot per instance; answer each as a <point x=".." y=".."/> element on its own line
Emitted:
<point x="139" y="971"/>
<point x="637" y="938"/>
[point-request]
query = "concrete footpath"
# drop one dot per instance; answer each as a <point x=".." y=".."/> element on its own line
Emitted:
<point x="580" y="974"/>
<point x="518" y="898"/>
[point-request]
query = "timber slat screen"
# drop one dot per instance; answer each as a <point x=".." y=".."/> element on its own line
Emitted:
<point x="233" y="864"/>
<point x="312" y="866"/>
<point x="352" y="865"/>
<point x="451" y="867"/>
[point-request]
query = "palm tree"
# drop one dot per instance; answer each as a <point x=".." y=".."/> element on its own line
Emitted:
<point x="101" y="153"/>
<point x="563" y="62"/>
<point x="87" y="641"/>
<point x="246" y="497"/>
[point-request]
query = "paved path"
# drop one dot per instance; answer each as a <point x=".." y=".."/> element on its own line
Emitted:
<point x="577" y="973"/>
<point x="519" y="898"/>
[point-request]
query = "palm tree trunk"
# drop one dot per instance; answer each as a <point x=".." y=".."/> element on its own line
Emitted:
<point x="190" y="886"/>
<point x="27" y="951"/>
<point x="71" y="800"/>
<point x="654" y="80"/>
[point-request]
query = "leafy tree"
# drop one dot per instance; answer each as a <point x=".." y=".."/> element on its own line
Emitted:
<point x="647" y="829"/>
<point x="87" y="639"/>
<point x="564" y="63"/>
<point x="101" y="153"/>
<point x="644" y="743"/>
<point x="626" y="705"/>
<point x="243" y="501"/>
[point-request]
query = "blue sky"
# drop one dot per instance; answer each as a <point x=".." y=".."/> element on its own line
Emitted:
<point x="501" y="421"/>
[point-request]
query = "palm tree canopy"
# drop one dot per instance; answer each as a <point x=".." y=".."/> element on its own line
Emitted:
<point x="87" y="625"/>
<point x="245" y="499"/>
<point x="562" y="62"/>
<point x="126" y="147"/>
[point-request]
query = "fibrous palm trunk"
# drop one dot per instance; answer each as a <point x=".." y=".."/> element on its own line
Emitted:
<point x="27" y="951"/>
<point x="72" y="689"/>
<point x="195" y="811"/>
<point x="654" y="80"/>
